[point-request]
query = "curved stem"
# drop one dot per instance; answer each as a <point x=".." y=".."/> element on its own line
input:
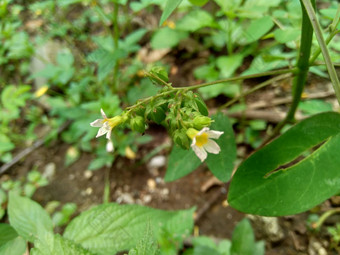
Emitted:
<point x="330" y="67"/>
<point x="324" y="216"/>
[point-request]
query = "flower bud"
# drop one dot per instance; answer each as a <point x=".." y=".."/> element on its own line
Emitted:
<point x="180" y="138"/>
<point x="200" y="122"/>
<point x="137" y="124"/>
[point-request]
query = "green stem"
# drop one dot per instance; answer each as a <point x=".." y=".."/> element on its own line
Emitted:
<point x="244" y="77"/>
<point x="318" y="51"/>
<point x="330" y="67"/>
<point x="324" y="216"/>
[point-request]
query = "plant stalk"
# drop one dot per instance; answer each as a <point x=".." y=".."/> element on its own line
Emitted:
<point x="330" y="67"/>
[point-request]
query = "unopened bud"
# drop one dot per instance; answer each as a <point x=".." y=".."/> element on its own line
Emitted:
<point x="180" y="138"/>
<point x="201" y="122"/>
<point x="138" y="124"/>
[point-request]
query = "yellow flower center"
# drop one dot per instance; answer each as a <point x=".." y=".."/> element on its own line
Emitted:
<point x="202" y="139"/>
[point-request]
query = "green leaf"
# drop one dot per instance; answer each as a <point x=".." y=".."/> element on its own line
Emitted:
<point x="181" y="163"/>
<point x="170" y="6"/>
<point x="257" y="29"/>
<point x="222" y="164"/>
<point x="199" y="2"/>
<point x="147" y="245"/>
<point x="229" y="64"/>
<point x="195" y="20"/>
<point x="287" y="35"/>
<point x="243" y="240"/>
<point x="5" y="144"/>
<point x="167" y="38"/>
<point x="57" y="245"/>
<point x="296" y="188"/>
<point x="109" y="228"/>
<point x="28" y="218"/>
<point x="10" y="242"/>
<point x="314" y="106"/>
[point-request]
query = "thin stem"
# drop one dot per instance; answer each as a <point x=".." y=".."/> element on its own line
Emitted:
<point x="324" y="216"/>
<point x="244" y="77"/>
<point x="318" y="51"/>
<point x="252" y="90"/>
<point x="323" y="46"/>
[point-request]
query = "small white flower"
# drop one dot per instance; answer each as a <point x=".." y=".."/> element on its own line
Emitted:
<point x="202" y="143"/>
<point x="109" y="146"/>
<point x="106" y="125"/>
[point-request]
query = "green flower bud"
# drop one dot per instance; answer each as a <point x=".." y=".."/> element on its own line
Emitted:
<point x="200" y="122"/>
<point x="137" y="124"/>
<point x="180" y="138"/>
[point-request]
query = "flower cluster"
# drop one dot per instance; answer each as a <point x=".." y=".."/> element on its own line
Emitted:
<point x="184" y="114"/>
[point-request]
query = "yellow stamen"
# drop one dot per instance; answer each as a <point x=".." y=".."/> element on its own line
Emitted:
<point x="202" y="139"/>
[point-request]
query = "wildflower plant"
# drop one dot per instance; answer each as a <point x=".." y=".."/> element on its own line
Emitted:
<point x="185" y="115"/>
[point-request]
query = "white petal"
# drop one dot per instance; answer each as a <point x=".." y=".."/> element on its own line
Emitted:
<point x="214" y="134"/>
<point x="97" y="123"/>
<point x="103" y="114"/>
<point x="102" y="131"/>
<point x="203" y="130"/>
<point x="109" y="146"/>
<point x="200" y="152"/>
<point x="212" y="147"/>
<point x="108" y="135"/>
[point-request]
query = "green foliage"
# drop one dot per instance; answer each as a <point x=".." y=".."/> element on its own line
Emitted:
<point x="10" y="242"/>
<point x="96" y="228"/>
<point x="243" y="242"/>
<point x="258" y="179"/>
<point x="169" y="8"/>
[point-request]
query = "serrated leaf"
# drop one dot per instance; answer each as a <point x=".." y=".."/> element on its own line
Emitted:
<point x="109" y="228"/>
<point x="28" y="218"/>
<point x="256" y="189"/>
<point x="170" y="6"/>
<point x="57" y="245"/>
<point x="222" y="164"/>
<point x="181" y="162"/>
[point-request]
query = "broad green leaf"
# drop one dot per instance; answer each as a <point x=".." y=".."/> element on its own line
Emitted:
<point x="257" y="29"/>
<point x="256" y="189"/>
<point x="222" y="164"/>
<point x="243" y="240"/>
<point x="28" y="218"/>
<point x="170" y="6"/>
<point x="167" y="38"/>
<point x="57" y="245"/>
<point x="10" y="242"/>
<point x="204" y="250"/>
<point x="109" y="228"/>
<point x="181" y="163"/>
<point x="5" y="144"/>
<point x="195" y="20"/>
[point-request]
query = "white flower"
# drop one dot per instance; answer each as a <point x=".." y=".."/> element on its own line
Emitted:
<point x="202" y="143"/>
<point x="109" y="146"/>
<point x="106" y="125"/>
